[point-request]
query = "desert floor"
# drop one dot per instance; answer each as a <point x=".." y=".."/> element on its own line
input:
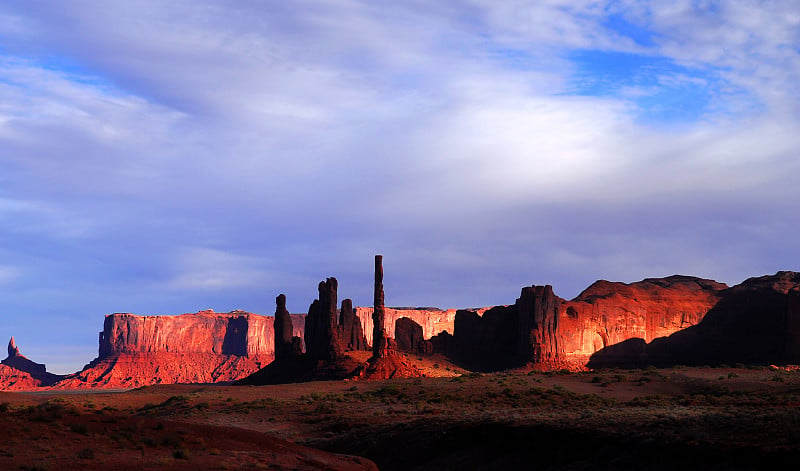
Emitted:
<point x="676" y="418"/>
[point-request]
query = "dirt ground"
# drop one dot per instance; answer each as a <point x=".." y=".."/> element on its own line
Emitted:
<point x="689" y="418"/>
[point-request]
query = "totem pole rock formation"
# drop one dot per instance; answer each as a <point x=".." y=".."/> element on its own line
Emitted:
<point x="380" y="339"/>
<point x="351" y="333"/>
<point x="286" y="344"/>
<point x="385" y="362"/>
<point x="537" y="339"/>
<point x="322" y="327"/>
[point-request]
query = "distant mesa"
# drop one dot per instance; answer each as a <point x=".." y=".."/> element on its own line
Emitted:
<point x="202" y="347"/>
<point x="657" y="321"/>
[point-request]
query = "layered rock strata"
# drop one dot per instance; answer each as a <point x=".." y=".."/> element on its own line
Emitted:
<point x="285" y="346"/>
<point x="608" y="313"/>
<point x="755" y="322"/>
<point x="202" y="347"/>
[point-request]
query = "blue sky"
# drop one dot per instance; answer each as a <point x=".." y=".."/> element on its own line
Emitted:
<point x="167" y="157"/>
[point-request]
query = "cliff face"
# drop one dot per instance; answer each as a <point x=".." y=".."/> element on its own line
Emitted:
<point x="432" y="320"/>
<point x="607" y="313"/>
<point x="237" y="333"/>
<point x="203" y="347"/>
<point x="753" y="322"/>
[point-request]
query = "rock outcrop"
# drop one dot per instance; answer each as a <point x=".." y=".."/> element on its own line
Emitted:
<point x="351" y="332"/>
<point x="508" y="336"/>
<point x="754" y="322"/>
<point x="410" y="339"/>
<point x="202" y="347"/>
<point x="538" y="339"/>
<point x="381" y="345"/>
<point x="326" y="343"/>
<point x="234" y="333"/>
<point x="322" y="329"/>
<point x="20" y="368"/>
<point x="286" y="344"/>
<point x="386" y="362"/>
<point x="608" y="313"/>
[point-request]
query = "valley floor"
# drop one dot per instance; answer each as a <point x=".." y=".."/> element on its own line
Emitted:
<point x="676" y="418"/>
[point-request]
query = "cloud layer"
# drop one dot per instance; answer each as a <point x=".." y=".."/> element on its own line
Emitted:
<point x="190" y="155"/>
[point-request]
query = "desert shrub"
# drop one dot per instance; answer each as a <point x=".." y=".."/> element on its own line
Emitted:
<point x="4" y="406"/>
<point x="597" y="379"/>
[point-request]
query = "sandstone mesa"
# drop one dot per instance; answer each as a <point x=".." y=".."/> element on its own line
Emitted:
<point x="656" y="321"/>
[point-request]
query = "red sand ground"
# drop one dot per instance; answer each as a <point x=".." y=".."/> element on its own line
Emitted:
<point x="690" y="418"/>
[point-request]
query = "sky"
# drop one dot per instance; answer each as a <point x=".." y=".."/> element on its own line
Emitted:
<point x="163" y="157"/>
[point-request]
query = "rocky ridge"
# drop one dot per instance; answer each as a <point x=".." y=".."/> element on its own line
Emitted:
<point x="18" y="372"/>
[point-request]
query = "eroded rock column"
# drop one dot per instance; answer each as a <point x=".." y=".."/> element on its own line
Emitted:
<point x="380" y="344"/>
<point x="283" y="329"/>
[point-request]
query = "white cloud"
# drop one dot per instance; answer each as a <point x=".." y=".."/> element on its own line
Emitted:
<point x="200" y="268"/>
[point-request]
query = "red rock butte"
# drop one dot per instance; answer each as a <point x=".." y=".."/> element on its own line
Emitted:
<point x="676" y="319"/>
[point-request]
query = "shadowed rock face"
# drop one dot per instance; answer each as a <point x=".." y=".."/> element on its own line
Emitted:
<point x="432" y="320"/>
<point x="506" y="336"/>
<point x="327" y="334"/>
<point x="286" y="345"/>
<point x="608" y="313"/>
<point x="537" y="338"/>
<point x="351" y="333"/>
<point x="408" y="335"/>
<point x="754" y="322"/>
<point x="322" y="329"/>
<point x="382" y="345"/>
